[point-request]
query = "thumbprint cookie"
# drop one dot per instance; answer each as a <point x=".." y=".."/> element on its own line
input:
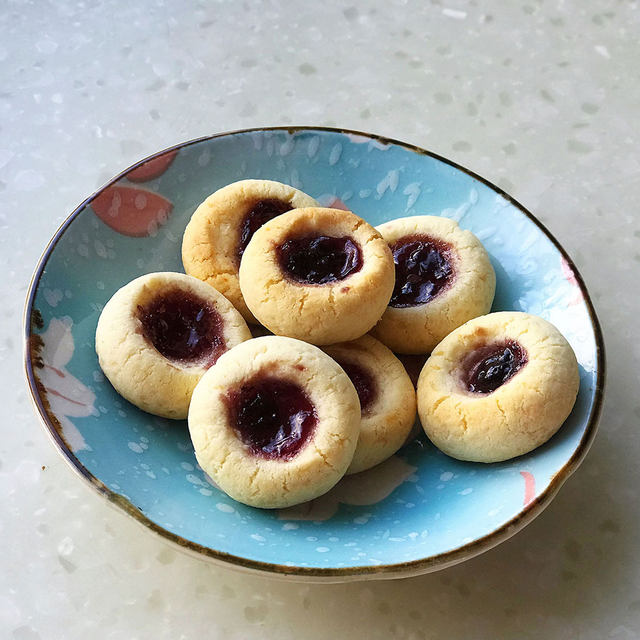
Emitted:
<point x="318" y="275"/>
<point x="158" y="335"/>
<point x="221" y="227"/>
<point x="497" y="387"/>
<point x="387" y="399"/>
<point x="275" y="422"/>
<point x="443" y="277"/>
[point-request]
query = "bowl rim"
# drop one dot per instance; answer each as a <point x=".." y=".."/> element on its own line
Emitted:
<point x="313" y="574"/>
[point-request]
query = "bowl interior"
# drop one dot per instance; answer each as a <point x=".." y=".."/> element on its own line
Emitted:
<point x="418" y="505"/>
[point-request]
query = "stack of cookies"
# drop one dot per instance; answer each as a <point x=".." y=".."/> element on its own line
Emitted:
<point x="278" y="419"/>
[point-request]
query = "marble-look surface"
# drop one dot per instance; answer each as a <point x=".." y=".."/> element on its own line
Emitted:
<point x="541" y="98"/>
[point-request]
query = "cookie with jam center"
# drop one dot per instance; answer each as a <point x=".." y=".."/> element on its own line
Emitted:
<point x="275" y="422"/>
<point x="221" y="227"/>
<point x="497" y="387"/>
<point x="316" y="274"/>
<point x="158" y="335"/>
<point x="443" y="277"/>
<point x="387" y="399"/>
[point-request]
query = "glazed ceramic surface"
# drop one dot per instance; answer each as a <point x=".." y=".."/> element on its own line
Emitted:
<point x="418" y="511"/>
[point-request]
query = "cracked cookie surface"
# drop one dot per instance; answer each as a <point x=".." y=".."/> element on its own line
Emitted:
<point x="336" y="296"/>
<point x="529" y="381"/>
<point x="443" y="278"/>
<point x="222" y="226"/>
<point x="269" y="453"/>
<point x="158" y="335"/>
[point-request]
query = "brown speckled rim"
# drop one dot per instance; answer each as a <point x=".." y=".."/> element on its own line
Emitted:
<point x="316" y="574"/>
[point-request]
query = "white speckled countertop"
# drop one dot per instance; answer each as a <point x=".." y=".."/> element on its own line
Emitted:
<point x="541" y="98"/>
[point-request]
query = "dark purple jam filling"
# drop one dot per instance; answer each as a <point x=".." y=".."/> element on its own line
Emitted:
<point x="489" y="367"/>
<point x="423" y="269"/>
<point x="413" y="365"/>
<point x="183" y="327"/>
<point x="260" y="212"/>
<point x="364" y="383"/>
<point x="319" y="259"/>
<point x="274" y="417"/>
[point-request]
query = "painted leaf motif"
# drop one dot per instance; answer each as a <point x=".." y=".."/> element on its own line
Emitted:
<point x="132" y="211"/>
<point x="336" y="203"/>
<point x="529" y="487"/>
<point x="569" y="274"/>
<point x="153" y="168"/>
<point x="68" y="397"/>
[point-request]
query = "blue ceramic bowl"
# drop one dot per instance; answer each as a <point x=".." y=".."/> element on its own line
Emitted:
<point x="417" y="512"/>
